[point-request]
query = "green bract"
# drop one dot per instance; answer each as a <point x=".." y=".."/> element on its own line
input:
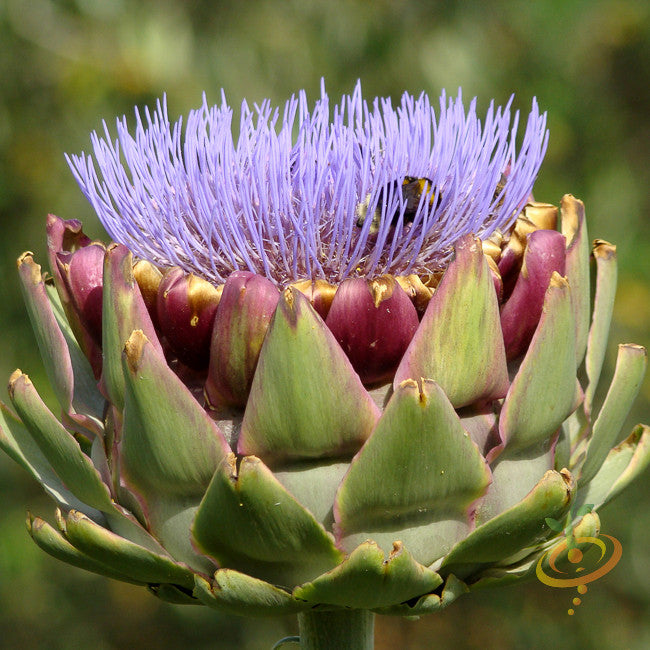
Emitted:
<point x="304" y="489"/>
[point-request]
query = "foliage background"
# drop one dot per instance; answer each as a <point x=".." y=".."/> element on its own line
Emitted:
<point x="65" y="65"/>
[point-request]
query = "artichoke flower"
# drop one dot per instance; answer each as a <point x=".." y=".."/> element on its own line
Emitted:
<point x="342" y="365"/>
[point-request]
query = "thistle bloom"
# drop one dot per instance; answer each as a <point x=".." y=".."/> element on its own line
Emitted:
<point x="283" y="206"/>
<point x="342" y="364"/>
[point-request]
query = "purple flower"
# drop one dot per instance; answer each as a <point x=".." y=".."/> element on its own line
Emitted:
<point x="283" y="199"/>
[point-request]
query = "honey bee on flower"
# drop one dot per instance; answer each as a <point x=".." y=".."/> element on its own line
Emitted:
<point x="412" y="191"/>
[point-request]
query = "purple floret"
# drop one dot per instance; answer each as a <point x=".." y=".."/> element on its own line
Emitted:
<point x="282" y="201"/>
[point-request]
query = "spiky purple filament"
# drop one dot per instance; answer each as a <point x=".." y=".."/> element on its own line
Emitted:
<point x="285" y="207"/>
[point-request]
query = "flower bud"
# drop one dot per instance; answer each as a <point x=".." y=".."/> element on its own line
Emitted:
<point x="373" y="321"/>
<point x="535" y="216"/>
<point x="247" y="304"/>
<point x="82" y="272"/>
<point x="77" y="266"/>
<point x="186" y="309"/>
<point x="545" y="253"/>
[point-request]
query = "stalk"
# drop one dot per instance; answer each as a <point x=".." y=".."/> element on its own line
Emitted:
<point x="352" y="629"/>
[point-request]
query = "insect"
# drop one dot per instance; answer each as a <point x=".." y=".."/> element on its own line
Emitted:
<point x="499" y="194"/>
<point x="412" y="190"/>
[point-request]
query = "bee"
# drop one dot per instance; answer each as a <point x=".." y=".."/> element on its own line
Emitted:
<point x="412" y="190"/>
<point x="499" y="194"/>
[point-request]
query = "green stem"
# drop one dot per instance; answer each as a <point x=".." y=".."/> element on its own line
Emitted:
<point x="352" y="629"/>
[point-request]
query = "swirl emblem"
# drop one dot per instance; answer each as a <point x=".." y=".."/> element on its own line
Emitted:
<point x="610" y="553"/>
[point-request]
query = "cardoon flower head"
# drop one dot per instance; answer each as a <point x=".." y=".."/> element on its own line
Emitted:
<point x="282" y="200"/>
<point x="344" y="365"/>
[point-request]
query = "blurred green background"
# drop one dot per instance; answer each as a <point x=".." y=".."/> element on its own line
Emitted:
<point x="67" y="65"/>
